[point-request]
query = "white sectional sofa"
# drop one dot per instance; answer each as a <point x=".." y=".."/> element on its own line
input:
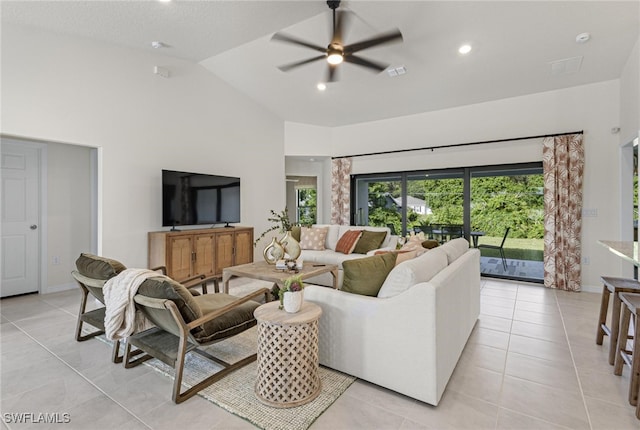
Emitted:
<point x="330" y="256"/>
<point x="410" y="337"/>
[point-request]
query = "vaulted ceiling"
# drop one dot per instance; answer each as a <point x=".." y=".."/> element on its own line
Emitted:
<point x="516" y="46"/>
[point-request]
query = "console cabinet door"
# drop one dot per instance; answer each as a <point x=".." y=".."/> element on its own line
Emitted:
<point x="243" y="247"/>
<point x="180" y="258"/>
<point x="204" y="254"/>
<point x="224" y="251"/>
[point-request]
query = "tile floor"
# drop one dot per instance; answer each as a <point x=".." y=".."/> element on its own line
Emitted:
<point x="531" y="363"/>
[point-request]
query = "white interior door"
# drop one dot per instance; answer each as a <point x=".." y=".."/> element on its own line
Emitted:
<point x="20" y="219"/>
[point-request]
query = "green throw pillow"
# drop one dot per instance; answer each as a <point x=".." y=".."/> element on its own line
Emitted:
<point x="366" y="275"/>
<point x="93" y="266"/>
<point x="369" y="241"/>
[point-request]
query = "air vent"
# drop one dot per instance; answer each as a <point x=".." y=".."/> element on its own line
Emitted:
<point x="396" y="71"/>
<point x="565" y="66"/>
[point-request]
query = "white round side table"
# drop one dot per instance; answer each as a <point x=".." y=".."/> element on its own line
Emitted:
<point x="287" y="355"/>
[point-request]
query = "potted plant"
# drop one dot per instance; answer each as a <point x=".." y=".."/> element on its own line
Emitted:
<point x="292" y="295"/>
<point x="286" y="243"/>
<point x="280" y="222"/>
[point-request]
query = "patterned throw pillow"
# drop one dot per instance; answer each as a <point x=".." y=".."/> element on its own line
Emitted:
<point x="313" y="238"/>
<point x="348" y="241"/>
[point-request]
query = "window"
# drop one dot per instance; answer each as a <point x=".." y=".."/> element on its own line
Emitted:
<point x="478" y="203"/>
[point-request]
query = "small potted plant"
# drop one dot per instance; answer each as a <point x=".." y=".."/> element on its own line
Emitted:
<point x="291" y="296"/>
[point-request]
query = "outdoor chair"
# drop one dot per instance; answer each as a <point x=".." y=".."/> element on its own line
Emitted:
<point x="499" y="247"/>
<point x="91" y="273"/>
<point x="185" y="324"/>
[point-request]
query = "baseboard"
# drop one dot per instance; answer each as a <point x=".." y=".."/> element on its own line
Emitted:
<point x="57" y="288"/>
<point x="591" y="288"/>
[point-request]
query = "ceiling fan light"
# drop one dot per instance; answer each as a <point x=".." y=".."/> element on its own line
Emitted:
<point x="335" y="58"/>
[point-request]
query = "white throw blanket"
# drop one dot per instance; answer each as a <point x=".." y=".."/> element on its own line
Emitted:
<point x="120" y="320"/>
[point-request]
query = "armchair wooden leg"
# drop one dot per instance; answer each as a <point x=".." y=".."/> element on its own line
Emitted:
<point x="137" y="355"/>
<point x="181" y="397"/>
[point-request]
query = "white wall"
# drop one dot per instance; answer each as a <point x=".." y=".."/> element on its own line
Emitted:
<point x="630" y="97"/>
<point x="68" y="209"/>
<point x="592" y="108"/>
<point x="57" y="88"/>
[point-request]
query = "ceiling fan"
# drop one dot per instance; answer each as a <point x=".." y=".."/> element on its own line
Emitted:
<point x="337" y="52"/>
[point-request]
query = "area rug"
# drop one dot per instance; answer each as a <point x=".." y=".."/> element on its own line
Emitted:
<point x="235" y="392"/>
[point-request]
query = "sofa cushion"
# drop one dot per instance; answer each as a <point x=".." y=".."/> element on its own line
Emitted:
<point x="327" y="257"/>
<point x="313" y="238"/>
<point x="163" y="287"/>
<point x="369" y="240"/>
<point x="347" y="243"/>
<point x="366" y="275"/>
<point x="455" y="248"/>
<point x="93" y="266"/>
<point x="411" y="272"/>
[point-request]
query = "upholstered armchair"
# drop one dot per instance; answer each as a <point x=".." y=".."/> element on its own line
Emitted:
<point x="91" y="273"/>
<point x="185" y="323"/>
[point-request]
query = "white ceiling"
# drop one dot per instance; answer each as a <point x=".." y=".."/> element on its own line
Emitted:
<point x="513" y="45"/>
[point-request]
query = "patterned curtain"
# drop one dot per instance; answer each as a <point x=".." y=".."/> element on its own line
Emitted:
<point x="340" y="191"/>
<point x="563" y="167"/>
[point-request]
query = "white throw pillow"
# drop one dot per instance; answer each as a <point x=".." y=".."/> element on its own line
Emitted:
<point x="411" y="272"/>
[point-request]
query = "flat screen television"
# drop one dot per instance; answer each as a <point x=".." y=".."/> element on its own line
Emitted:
<point x="195" y="199"/>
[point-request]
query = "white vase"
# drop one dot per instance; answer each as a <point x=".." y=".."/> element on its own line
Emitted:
<point x="290" y="245"/>
<point x="273" y="252"/>
<point x="292" y="301"/>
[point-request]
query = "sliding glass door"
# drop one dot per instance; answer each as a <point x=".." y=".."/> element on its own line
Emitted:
<point x="378" y="201"/>
<point x="478" y="203"/>
<point x="507" y="214"/>
<point x="435" y="203"/>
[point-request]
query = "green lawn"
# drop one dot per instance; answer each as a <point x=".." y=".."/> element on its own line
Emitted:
<point x="517" y="249"/>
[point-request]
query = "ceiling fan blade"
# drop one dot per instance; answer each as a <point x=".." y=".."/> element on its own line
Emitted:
<point x="331" y="74"/>
<point x="287" y="67"/>
<point x="341" y="22"/>
<point x="392" y="36"/>
<point x="379" y="67"/>
<point x="281" y="37"/>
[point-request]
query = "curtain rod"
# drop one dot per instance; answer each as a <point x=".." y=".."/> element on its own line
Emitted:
<point x="455" y="145"/>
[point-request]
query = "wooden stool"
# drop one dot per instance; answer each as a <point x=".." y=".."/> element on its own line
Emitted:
<point x="631" y="306"/>
<point x="615" y="286"/>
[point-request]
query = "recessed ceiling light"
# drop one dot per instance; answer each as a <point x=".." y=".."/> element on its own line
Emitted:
<point x="321" y="86"/>
<point x="157" y="45"/>
<point x="583" y="37"/>
<point x="464" y="49"/>
<point x="164" y="1"/>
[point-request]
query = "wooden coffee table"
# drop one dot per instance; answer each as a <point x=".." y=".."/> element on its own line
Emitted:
<point x="268" y="272"/>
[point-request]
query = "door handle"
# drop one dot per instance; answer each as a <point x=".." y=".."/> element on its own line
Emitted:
<point x="33" y="227"/>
